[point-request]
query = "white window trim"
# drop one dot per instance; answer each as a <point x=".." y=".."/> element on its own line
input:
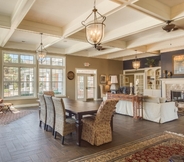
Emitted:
<point x="34" y="66"/>
<point x="43" y="66"/>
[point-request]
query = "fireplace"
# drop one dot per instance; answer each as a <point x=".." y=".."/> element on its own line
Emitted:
<point x="177" y="95"/>
<point x="170" y="85"/>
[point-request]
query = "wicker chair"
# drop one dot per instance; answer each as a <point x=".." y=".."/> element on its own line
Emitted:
<point x="63" y="125"/>
<point x="43" y="110"/>
<point x="97" y="129"/>
<point x="51" y="93"/>
<point x="50" y="113"/>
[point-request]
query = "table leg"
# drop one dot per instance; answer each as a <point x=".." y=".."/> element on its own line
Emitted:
<point x="112" y="122"/>
<point x="78" y="128"/>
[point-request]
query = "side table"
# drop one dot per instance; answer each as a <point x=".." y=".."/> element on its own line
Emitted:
<point x="5" y="107"/>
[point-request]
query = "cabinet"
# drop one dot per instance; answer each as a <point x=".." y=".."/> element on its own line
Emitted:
<point x="130" y="76"/>
<point x="140" y="78"/>
<point x="152" y="82"/>
<point x="149" y="80"/>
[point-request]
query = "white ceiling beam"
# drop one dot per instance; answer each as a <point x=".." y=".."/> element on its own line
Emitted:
<point x="103" y="52"/>
<point x="55" y="50"/>
<point x="154" y="37"/>
<point x="130" y="29"/>
<point x="81" y="53"/>
<point x="20" y="45"/>
<point x="168" y="44"/>
<point x="116" y="43"/>
<point x="132" y="57"/>
<point x="18" y="14"/>
<point x="79" y="36"/>
<point x="78" y="47"/>
<point x="121" y="54"/>
<point x="41" y="28"/>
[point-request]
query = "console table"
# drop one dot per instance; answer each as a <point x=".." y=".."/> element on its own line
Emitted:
<point x="137" y="101"/>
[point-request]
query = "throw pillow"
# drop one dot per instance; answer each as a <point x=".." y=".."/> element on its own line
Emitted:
<point x="152" y="99"/>
<point x="162" y="99"/>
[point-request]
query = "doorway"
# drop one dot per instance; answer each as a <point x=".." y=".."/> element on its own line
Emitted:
<point x="86" y="89"/>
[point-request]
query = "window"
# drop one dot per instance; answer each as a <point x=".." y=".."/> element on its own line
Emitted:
<point x="18" y="72"/>
<point x="52" y="75"/>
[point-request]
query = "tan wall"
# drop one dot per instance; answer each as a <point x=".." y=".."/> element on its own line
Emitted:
<point x="103" y="66"/>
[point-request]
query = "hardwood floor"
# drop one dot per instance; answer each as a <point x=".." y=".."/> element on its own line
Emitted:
<point x="24" y="141"/>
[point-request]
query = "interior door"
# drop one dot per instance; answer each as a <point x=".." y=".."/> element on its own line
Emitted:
<point x="90" y="88"/>
<point x="85" y="87"/>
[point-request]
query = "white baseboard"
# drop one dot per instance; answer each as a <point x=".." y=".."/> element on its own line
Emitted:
<point x="25" y="105"/>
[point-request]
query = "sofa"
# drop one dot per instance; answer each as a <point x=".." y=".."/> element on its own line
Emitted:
<point x="154" y="109"/>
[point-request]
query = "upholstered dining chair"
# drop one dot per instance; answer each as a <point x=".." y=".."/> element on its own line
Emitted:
<point x="63" y="125"/>
<point x="97" y="129"/>
<point x="51" y="93"/>
<point x="43" y="110"/>
<point x="50" y="112"/>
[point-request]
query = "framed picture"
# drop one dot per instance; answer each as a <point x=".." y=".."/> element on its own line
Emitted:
<point x="178" y="64"/>
<point x="126" y="79"/>
<point x="102" y="79"/>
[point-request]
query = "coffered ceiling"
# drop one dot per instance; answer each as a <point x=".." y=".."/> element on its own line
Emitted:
<point x="132" y="27"/>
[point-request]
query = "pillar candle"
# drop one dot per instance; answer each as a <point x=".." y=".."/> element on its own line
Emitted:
<point x="130" y="84"/>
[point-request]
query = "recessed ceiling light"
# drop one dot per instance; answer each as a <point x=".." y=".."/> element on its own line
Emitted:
<point x="23" y="41"/>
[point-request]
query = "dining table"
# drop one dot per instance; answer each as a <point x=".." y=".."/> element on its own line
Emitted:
<point x="79" y="109"/>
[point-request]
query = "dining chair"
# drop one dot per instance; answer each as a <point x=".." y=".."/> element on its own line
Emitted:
<point x="63" y="125"/>
<point x="43" y="110"/>
<point x="51" y="93"/>
<point x="50" y="112"/>
<point x="97" y="129"/>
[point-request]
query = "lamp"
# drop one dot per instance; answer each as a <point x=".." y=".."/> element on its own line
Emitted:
<point x="94" y="29"/>
<point x="136" y="64"/>
<point x="41" y="52"/>
<point x="114" y="86"/>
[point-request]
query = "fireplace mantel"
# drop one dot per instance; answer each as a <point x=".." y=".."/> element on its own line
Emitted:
<point x="169" y="84"/>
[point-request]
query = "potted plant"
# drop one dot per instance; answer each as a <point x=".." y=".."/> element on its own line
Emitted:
<point x="150" y="62"/>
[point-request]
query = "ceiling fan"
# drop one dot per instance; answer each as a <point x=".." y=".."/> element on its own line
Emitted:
<point x="99" y="47"/>
<point x="169" y="26"/>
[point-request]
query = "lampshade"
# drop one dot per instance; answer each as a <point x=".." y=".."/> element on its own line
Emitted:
<point x="41" y="52"/>
<point x="136" y="64"/>
<point x="114" y="79"/>
<point x="114" y="86"/>
<point x="95" y="29"/>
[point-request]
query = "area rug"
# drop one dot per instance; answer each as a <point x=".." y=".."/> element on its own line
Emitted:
<point x="156" y="148"/>
<point x="8" y="117"/>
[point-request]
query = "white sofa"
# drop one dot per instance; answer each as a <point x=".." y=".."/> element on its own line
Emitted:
<point x="154" y="109"/>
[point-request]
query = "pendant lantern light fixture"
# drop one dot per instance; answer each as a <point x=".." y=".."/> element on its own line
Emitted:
<point x="95" y="29"/>
<point x="136" y="63"/>
<point x="41" y="52"/>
